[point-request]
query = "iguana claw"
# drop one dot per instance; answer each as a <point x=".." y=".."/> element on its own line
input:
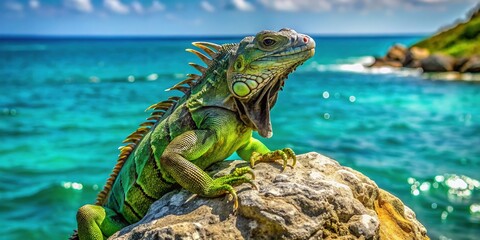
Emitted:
<point x="283" y="154"/>
<point x="242" y="171"/>
<point x="227" y="182"/>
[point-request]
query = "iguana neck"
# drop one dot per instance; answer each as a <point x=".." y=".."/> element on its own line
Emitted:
<point x="212" y="90"/>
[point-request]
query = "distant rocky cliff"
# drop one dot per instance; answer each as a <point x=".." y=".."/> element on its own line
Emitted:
<point x="416" y="57"/>
<point x="453" y="49"/>
<point x="318" y="199"/>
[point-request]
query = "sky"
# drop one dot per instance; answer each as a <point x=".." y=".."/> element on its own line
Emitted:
<point x="227" y="17"/>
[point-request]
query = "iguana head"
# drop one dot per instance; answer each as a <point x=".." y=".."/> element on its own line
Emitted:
<point x="257" y="71"/>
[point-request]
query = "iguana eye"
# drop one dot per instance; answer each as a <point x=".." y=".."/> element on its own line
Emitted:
<point x="267" y="42"/>
<point x="238" y="65"/>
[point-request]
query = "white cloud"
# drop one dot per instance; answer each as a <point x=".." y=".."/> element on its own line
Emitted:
<point x="34" y="4"/>
<point x="79" y="5"/>
<point x="14" y="6"/>
<point x="431" y="1"/>
<point x="207" y="6"/>
<point x="137" y="7"/>
<point x="327" y="5"/>
<point x="242" y="5"/>
<point x="297" y="5"/>
<point x="116" y="6"/>
<point x="157" y="6"/>
<point x="281" y="5"/>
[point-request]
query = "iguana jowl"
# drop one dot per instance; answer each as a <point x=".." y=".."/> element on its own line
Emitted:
<point x="184" y="135"/>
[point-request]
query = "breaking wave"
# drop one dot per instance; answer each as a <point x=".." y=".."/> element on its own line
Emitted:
<point x="358" y="65"/>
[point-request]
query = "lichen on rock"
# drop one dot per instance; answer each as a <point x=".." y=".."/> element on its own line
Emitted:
<point x="318" y="199"/>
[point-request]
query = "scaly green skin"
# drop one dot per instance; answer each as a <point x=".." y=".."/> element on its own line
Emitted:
<point x="216" y="117"/>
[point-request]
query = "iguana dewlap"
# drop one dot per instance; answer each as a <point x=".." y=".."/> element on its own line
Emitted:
<point x="213" y="119"/>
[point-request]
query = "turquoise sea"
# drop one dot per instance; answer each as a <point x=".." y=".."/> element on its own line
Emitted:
<point x="66" y="105"/>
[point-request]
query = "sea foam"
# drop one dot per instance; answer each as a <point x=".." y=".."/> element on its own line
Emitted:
<point x="359" y="65"/>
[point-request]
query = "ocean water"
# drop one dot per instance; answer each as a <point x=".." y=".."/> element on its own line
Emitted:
<point x="66" y="105"/>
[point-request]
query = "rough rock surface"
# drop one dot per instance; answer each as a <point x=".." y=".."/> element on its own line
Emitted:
<point x="472" y="65"/>
<point x="397" y="52"/>
<point x="418" y="53"/>
<point x="438" y="63"/>
<point x="385" y="62"/>
<point x="414" y="56"/>
<point x="318" y="199"/>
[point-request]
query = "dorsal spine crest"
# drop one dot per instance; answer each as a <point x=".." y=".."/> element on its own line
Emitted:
<point x="215" y="51"/>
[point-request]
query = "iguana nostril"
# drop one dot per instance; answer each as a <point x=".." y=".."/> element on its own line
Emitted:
<point x="305" y="39"/>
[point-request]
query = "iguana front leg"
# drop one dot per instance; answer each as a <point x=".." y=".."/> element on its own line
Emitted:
<point x="255" y="151"/>
<point x="176" y="160"/>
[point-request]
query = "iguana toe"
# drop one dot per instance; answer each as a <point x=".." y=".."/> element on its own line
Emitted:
<point x="225" y="184"/>
<point x="242" y="171"/>
<point x="283" y="154"/>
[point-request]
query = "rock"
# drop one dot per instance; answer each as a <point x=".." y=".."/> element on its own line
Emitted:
<point x="413" y="64"/>
<point x="459" y="63"/>
<point x="318" y="199"/>
<point x="418" y="53"/>
<point x="399" y="56"/>
<point x="383" y="62"/>
<point x="438" y="63"/>
<point x="414" y="56"/>
<point x="472" y="65"/>
<point x="397" y="53"/>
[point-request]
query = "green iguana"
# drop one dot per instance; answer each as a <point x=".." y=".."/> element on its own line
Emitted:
<point x="184" y="135"/>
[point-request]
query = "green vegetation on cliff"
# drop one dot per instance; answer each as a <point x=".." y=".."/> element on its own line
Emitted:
<point x="462" y="40"/>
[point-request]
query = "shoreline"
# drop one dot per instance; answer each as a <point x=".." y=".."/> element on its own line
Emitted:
<point x="362" y="65"/>
<point x="452" y="76"/>
<point x="436" y="66"/>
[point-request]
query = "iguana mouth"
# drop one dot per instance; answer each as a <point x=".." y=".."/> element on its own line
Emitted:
<point x="256" y="112"/>
<point x="255" y="107"/>
<point x="306" y="50"/>
<point x="297" y="54"/>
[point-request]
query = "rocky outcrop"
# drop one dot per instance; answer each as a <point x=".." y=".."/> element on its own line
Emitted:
<point x="385" y="62"/>
<point x="397" y="53"/>
<point x="396" y="57"/>
<point x="471" y="65"/>
<point x="415" y="57"/>
<point x="318" y="199"/>
<point x="437" y="63"/>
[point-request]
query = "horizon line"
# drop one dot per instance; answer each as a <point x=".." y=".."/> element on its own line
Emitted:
<point x="6" y="36"/>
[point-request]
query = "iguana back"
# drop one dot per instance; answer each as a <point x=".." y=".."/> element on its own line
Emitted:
<point x="137" y="173"/>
